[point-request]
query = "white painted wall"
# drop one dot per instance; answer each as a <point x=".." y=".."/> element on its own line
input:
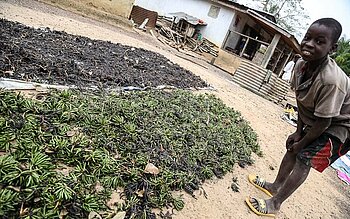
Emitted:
<point x="216" y="29"/>
<point x="232" y="40"/>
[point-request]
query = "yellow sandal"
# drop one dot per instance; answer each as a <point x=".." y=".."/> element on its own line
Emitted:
<point x="261" y="209"/>
<point x="259" y="183"/>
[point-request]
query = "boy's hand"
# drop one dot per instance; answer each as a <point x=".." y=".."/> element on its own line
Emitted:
<point x="293" y="138"/>
<point x="295" y="148"/>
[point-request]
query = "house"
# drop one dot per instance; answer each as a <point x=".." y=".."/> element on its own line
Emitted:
<point x="253" y="46"/>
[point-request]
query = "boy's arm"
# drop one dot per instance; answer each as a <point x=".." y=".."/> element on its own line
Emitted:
<point x="320" y="125"/>
<point x="300" y="126"/>
<point x="296" y="136"/>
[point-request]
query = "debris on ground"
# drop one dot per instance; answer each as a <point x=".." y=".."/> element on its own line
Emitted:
<point x="179" y="40"/>
<point x="57" y="58"/>
<point x="234" y="184"/>
<point x="290" y="114"/>
<point x="342" y="166"/>
<point x="147" y="143"/>
<point x="66" y="153"/>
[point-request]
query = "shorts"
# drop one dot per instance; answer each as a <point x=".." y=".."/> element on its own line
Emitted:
<point x="323" y="152"/>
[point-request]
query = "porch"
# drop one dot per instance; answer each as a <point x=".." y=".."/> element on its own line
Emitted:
<point x="255" y="52"/>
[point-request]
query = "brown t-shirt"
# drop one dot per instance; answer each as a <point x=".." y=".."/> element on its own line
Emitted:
<point x="326" y="95"/>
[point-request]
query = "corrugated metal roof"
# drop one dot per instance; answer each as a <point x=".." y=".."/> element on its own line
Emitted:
<point x="190" y="19"/>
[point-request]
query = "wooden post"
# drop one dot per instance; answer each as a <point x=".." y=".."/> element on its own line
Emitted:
<point x="270" y="50"/>
<point x="278" y="59"/>
<point x="226" y="38"/>
<point x="245" y="46"/>
<point x="186" y="32"/>
<point x="284" y="63"/>
<point x="172" y="23"/>
<point x="182" y="22"/>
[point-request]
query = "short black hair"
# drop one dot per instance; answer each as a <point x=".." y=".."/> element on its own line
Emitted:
<point x="333" y="24"/>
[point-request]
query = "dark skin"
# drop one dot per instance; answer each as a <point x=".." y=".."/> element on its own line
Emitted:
<point x="315" y="46"/>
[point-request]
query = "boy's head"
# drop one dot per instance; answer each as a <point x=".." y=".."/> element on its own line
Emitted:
<point x="331" y="24"/>
<point x="320" y="39"/>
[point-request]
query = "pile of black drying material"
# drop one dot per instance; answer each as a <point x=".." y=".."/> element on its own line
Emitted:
<point x="55" y="57"/>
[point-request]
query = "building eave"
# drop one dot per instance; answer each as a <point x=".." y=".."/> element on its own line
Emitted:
<point x="243" y="8"/>
<point x="236" y="6"/>
<point x="274" y="28"/>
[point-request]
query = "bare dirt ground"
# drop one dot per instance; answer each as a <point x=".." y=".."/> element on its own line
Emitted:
<point x="322" y="195"/>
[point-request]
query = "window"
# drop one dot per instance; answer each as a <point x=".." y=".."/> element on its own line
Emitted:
<point x="214" y="11"/>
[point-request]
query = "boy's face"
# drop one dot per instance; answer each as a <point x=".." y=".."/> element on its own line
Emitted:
<point x="317" y="42"/>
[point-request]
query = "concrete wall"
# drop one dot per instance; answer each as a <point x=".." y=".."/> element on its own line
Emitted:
<point x="99" y="8"/>
<point x="216" y="29"/>
<point x="116" y="7"/>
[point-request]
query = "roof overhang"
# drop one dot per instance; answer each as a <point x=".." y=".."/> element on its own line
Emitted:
<point x="236" y="6"/>
<point x="243" y="8"/>
<point x="267" y="24"/>
<point x="274" y="29"/>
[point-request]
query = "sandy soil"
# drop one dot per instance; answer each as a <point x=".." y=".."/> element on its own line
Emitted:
<point x="321" y="196"/>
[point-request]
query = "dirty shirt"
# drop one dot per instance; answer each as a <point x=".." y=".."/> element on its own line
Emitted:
<point x="326" y="94"/>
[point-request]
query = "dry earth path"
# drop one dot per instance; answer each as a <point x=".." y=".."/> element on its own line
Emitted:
<point x="322" y="196"/>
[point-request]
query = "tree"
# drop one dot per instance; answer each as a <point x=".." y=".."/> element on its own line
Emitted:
<point x="290" y="14"/>
<point x="342" y="55"/>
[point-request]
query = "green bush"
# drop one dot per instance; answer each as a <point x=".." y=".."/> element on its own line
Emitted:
<point x="342" y="56"/>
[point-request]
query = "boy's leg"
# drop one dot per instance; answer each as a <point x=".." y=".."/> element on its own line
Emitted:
<point x="298" y="175"/>
<point x="286" y="167"/>
<point x="319" y="155"/>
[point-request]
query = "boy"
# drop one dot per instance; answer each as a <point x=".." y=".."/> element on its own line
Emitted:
<point x="323" y="97"/>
